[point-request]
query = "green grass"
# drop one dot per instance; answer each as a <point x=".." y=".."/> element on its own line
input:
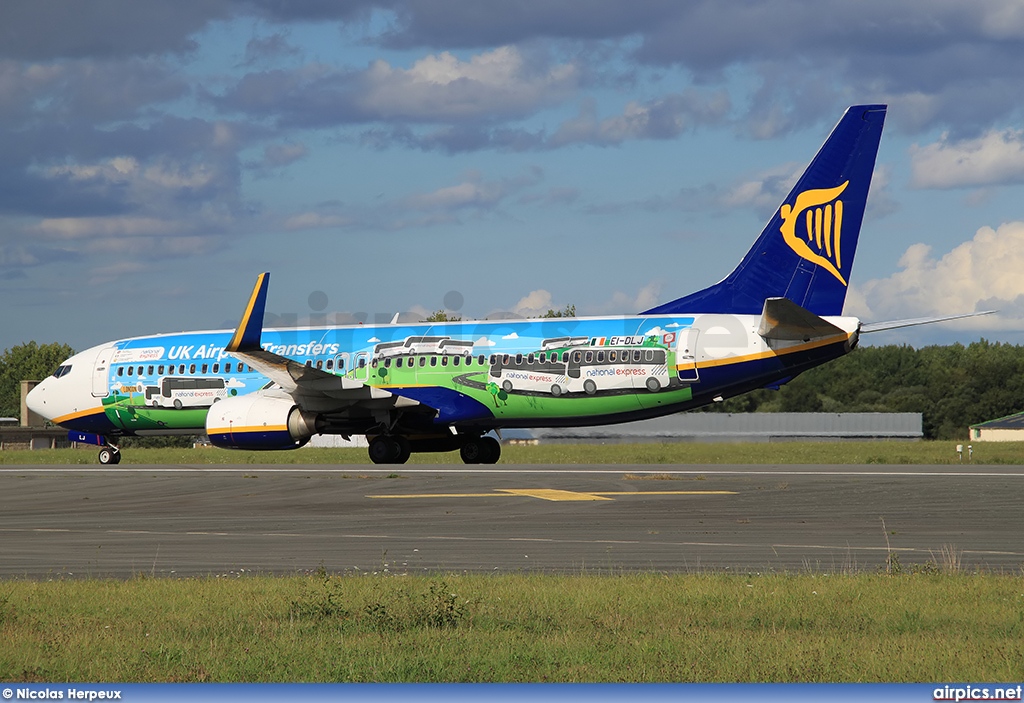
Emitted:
<point x="648" y="627"/>
<point x="931" y="452"/>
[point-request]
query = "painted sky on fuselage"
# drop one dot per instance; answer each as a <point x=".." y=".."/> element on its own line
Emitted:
<point x="609" y="155"/>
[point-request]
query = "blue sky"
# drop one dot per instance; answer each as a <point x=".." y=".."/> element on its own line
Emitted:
<point x="395" y="156"/>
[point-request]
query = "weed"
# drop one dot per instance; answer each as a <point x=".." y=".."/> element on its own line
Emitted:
<point x="321" y="598"/>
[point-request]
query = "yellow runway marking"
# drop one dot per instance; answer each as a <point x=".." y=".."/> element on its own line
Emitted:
<point x="556" y="494"/>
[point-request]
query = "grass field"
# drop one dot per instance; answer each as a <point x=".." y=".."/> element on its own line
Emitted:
<point x="637" y="628"/>
<point x="648" y="453"/>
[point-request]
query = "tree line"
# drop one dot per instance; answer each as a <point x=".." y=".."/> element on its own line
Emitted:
<point x="952" y="386"/>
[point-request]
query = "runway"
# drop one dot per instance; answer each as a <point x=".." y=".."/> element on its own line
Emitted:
<point x="179" y="521"/>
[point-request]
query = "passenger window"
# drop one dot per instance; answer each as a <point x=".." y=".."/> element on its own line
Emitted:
<point x="636" y="355"/>
<point x="455" y="360"/>
<point x="373" y="364"/>
<point x="543" y="357"/>
<point x="648" y="355"/>
<point x="482" y="359"/>
<point x="227" y="368"/>
<point x="444" y="360"/>
<point x="589" y="357"/>
<point x="319" y="363"/>
<point x="216" y="368"/>
<point x="170" y="370"/>
<point x="205" y="368"/>
<point x="612" y="356"/>
<point x="433" y="361"/>
<point x="160" y="369"/>
<point x="192" y="368"/>
<point x="504" y="359"/>
<point x="181" y="369"/>
<point x="519" y="358"/>
<point x="529" y="359"/>
<point x="120" y="371"/>
<point x="330" y="364"/>
<point x="423" y="361"/>
<point x="554" y="356"/>
<point x="131" y="370"/>
<point x="150" y="371"/>
<point x="600" y="357"/>
<point x="398" y="363"/>
<point x="576" y="357"/>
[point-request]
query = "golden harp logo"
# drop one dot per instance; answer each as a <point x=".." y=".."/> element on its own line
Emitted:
<point x="821" y="240"/>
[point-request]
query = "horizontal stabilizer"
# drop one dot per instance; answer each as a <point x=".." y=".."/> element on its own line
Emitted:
<point x="896" y="324"/>
<point x="783" y="319"/>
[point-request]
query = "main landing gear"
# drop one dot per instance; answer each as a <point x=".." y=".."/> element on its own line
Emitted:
<point x="389" y="449"/>
<point x="480" y="450"/>
<point x="396" y="449"/>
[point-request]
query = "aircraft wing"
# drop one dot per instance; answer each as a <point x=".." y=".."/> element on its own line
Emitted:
<point x="300" y="380"/>
<point x="869" y="327"/>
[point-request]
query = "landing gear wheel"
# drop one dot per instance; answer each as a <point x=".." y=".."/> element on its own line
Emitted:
<point x="389" y="450"/>
<point x="109" y="455"/>
<point x="480" y="450"/>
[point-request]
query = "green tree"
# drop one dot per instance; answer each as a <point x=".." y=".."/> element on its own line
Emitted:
<point x="567" y="311"/>
<point x="23" y="363"/>
<point x="442" y="316"/>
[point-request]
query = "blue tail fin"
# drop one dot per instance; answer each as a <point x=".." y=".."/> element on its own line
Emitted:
<point x="805" y="253"/>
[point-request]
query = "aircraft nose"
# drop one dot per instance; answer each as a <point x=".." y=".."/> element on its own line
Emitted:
<point x="36" y="400"/>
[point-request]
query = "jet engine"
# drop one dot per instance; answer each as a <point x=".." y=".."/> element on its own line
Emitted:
<point x="257" y="422"/>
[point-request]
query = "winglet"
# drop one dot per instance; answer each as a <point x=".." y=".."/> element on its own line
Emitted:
<point x="250" y="327"/>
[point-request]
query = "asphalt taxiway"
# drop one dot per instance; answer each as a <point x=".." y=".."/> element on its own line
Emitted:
<point x="62" y="521"/>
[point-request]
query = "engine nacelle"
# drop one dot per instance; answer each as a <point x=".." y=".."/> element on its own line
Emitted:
<point x="256" y="422"/>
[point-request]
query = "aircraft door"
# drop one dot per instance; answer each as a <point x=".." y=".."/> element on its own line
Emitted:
<point x="101" y="373"/>
<point x="686" y="355"/>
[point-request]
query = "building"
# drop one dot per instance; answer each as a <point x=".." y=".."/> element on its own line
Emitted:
<point x="747" y="427"/>
<point x="1003" y="429"/>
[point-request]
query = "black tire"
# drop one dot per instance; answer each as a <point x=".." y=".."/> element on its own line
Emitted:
<point x="589" y="387"/>
<point x="177" y="404"/>
<point x="472" y="451"/>
<point x="381" y="450"/>
<point x="492" y="450"/>
<point x="402" y="450"/>
<point x="108" y="456"/>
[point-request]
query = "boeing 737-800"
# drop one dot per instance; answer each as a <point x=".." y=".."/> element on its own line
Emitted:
<point x="446" y="386"/>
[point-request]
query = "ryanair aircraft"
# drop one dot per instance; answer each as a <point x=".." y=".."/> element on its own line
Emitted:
<point x="446" y="386"/>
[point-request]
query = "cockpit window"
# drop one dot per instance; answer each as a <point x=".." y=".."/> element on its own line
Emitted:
<point x="62" y="370"/>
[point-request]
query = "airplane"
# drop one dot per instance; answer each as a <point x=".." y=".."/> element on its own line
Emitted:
<point x="436" y="387"/>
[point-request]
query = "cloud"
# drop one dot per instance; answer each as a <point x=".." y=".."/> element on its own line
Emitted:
<point x="663" y="118"/>
<point x="980" y="274"/>
<point x="996" y="157"/>
<point x="372" y="340"/>
<point x="533" y="304"/>
<point x="512" y="335"/>
<point x="484" y="342"/>
<point x="496" y="84"/>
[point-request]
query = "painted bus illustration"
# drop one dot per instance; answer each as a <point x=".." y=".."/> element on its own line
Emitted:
<point x="612" y="368"/>
<point x="424" y="345"/>
<point x="542" y="372"/>
<point x="180" y="392"/>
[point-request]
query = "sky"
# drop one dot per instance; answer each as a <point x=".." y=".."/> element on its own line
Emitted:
<point x="383" y="156"/>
